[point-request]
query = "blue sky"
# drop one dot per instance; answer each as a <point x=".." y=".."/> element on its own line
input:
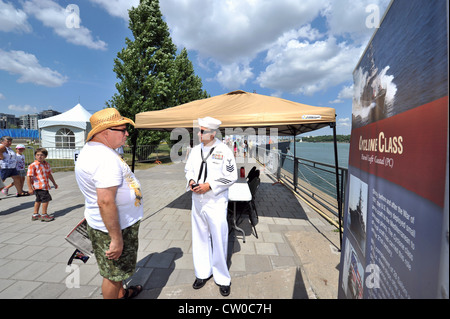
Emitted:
<point x="304" y="51"/>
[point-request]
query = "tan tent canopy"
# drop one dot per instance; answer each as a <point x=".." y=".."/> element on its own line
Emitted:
<point x="241" y="109"/>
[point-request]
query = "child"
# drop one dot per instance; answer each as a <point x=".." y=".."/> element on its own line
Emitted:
<point x="39" y="172"/>
<point x="20" y="166"/>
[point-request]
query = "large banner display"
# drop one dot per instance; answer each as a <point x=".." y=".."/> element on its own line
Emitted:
<point x="396" y="208"/>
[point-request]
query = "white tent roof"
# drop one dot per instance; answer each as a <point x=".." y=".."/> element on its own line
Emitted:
<point x="76" y="116"/>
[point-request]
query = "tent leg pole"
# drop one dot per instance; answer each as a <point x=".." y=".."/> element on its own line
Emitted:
<point x="295" y="168"/>
<point x="295" y="177"/>
<point x="134" y="141"/>
<point x="338" y="189"/>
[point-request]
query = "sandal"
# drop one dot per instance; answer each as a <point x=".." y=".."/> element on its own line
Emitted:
<point x="135" y="290"/>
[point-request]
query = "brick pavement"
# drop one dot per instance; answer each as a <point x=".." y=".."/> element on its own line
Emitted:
<point x="294" y="256"/>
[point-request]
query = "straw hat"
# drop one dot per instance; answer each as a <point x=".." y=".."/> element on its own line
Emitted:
<point x="105" y="119"/>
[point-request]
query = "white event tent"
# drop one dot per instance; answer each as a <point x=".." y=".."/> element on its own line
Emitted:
<point x="64" y="133"/>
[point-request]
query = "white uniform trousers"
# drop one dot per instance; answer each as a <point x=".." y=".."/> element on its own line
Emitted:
<point x="210" y="238"/>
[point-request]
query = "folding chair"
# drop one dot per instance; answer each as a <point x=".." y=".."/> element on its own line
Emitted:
<point x="254" y="185"/>
<point x="251" y="174"/>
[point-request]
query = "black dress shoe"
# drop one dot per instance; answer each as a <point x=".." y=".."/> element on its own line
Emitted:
<point x="199" y="283"/>
<point x="224" y="290"/>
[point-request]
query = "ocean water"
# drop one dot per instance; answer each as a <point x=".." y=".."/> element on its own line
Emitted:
<point x="323" y="153"/>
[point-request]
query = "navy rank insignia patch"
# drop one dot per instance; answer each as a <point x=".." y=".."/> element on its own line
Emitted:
<point x="230" y="167"/>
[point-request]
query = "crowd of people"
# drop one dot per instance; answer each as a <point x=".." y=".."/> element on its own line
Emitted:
<point x="239" y="146"/>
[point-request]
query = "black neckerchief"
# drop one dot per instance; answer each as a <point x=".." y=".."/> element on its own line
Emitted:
<point x="204" y="164"/>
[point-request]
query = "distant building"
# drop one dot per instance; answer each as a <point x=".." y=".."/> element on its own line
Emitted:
<point x="30" y="121"/>
<point x="48" y="113"/>
<point x="8" y="121"/>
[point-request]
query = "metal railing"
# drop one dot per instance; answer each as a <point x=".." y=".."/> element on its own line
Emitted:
<point x="315" y="178"/>
<point x="146" y="153"/>
<point x="312" y="180"/>
<point x="59" y="159"/>
<point x="64" y="159"/>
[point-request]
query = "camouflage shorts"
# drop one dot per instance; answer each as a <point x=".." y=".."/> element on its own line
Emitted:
<point x="124" y="267"/>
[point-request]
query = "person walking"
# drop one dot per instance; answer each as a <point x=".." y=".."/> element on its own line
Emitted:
<point x="38" y="175"/>
<point x="210" y="170"/>
<point x="245" y="146"/>
<point x="1" y="186"/>
<point x="8" y="161"/>
<point x="113" y="202"/>
<point x="20" y="166"/>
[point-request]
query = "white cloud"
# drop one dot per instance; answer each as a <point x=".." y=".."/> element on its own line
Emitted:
<point x="230" y="34"/>
<point x="345" y="93"/>
<point x="117" y="8"/>
<point x="343" y="126"/>
<point x="234" y="76"/>
<point x="349" y="17"/>
<point x="12" y="19"/>
<point x="29" y="69"/>
<point x="2" y="97"/>
<point x="345" y="122"/>
<point x="65" y="23"/>
<point x="300" y="59"/>
<point x="303" y="67"/>
<point x="228" y="31"/>
<point x="22" y="108"/>
<point x="309" y="62"/>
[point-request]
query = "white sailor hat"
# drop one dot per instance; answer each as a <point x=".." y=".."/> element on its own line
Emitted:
<point x="209" y="122"/>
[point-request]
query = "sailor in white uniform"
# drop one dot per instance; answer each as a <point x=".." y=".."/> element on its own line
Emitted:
<point x="210" y="171"/>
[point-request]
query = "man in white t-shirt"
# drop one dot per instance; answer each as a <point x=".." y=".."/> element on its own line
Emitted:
<point x="113" y="202"/>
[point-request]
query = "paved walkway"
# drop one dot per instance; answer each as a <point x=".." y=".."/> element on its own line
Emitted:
<point x="295" y="255"/>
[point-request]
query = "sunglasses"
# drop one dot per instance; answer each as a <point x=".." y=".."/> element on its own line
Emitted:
<point x="118" y="130"/>
<point x="205" y="131"/>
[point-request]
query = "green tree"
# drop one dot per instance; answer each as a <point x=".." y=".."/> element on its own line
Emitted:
<point x="151" y="76"/>
<point x="186" y="85"/>
<point x="327" y="138"/>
